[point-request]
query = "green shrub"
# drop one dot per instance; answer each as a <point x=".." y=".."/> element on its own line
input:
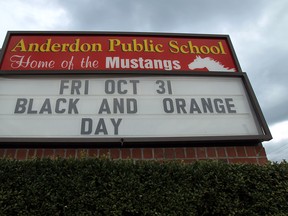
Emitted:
<point x="124" y="187"/>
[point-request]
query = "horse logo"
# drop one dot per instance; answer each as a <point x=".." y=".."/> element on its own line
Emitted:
<point x="209" y="64"/>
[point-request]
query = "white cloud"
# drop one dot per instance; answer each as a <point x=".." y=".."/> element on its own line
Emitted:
<point x="280" y="132"/>
<point x="31" y="15"/>
<point x="277" y="149"/>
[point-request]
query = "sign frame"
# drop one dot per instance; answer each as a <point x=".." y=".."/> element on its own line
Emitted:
<point x="155" y="141"/>
<point x="112" y="34"/>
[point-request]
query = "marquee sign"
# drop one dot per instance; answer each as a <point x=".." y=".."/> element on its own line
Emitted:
<point x="103" y="87"/>
<point x="129" y="107"/>
<point x="90" y="51"/>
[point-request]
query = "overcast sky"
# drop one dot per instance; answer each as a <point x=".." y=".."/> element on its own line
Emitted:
<point x="258" y="30"/>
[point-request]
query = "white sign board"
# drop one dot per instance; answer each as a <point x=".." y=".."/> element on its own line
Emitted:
<point x="124" y="106"/>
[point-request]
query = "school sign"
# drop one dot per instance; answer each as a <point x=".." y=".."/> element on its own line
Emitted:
<point x="125" y="88"/>
<point x="110" y="52"/>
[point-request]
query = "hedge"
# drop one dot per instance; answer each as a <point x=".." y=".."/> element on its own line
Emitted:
<point x="126" y="187"/>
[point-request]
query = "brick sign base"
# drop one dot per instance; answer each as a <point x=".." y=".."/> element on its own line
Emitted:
<point x="227" y="154"/>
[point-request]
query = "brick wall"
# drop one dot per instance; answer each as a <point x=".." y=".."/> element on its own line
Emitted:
<point x="229" y="154"/>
